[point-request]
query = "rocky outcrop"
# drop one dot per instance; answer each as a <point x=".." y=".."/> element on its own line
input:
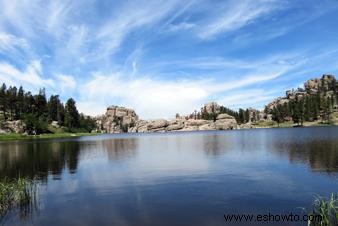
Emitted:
<point x="17" y="126"/>
<point x="121" y="119"/>
<point x="326" y="83"/>
<point x="223" y="122"/>
<point x="211" y="108"/>
<point x="324" y="86"/>
<point x="117" y="120"/>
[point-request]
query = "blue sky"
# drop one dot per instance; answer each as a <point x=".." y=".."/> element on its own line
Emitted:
<point x="163" y="57"/>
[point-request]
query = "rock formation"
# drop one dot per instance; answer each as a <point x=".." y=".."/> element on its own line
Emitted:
<point x="223" y="122"/>
<point x="117" y="120"/>
<point x="120" y="119"/>
<point x="323" y="86"/>
<point x="17" y="126"/>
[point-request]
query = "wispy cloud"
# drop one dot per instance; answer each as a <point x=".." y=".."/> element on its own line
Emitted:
<point x="181" y="26"/>
<point x="161" y="98"/>
<point x="30" y="76"/>
<point x="236" y="14"/>
<point x="163" y="57"/>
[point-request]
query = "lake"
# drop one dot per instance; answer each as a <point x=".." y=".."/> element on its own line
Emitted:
<point x="183" y="178"/>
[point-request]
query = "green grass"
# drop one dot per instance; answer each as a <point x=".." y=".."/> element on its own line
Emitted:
<point x="15" y="136"/>
<point x="327" y="209"/>
<point x="272" y="124"/>
<point x="17" y="193"/>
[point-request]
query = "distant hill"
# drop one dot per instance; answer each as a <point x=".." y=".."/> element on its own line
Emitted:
<point x="317" y="100"/>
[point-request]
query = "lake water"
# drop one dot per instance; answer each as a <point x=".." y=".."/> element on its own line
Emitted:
<point x="190" y="178"/>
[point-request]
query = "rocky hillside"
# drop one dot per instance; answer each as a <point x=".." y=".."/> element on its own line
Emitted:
<point x="326" y="86"/>
<point x="317" y="100"/>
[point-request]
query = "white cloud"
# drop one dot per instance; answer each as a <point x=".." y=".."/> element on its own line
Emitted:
<point x="132" y="15"/>
<point x="67" y="83"/>
<point x="181" y="26"/>
<point x="249" y="98"/>
<point x="8" y="42"/>
<point x="153" y="98"/>
<point x="235" y="15"/>
<point x="150" y="98"/>
<point x="29" y="77"/>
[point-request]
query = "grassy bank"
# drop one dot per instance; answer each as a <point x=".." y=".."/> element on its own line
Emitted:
<point x="327" y="209"/>
<point x="17" y="193"/>
<point x="15" y="136"/>
<point x="273" y="124"/>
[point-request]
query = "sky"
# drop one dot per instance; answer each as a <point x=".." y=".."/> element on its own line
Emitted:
<point x="163" y="57"/>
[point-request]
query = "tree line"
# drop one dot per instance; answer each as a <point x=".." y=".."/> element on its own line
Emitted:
<point x="307" y="106"/>
<point x="241" y="116"/>
<point x="38" y="111"/>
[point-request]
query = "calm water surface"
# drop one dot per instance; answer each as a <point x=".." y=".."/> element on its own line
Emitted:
<point x="191" y="178"/>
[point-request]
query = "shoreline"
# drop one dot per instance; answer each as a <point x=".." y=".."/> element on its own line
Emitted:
<point x="18" y="137"/>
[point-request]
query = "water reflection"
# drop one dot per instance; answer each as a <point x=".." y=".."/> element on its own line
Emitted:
<point x="319" y="150"/>
<point x="38" y="159"/>
<point x="319" y="155"/>
<point x="162" y="179"/>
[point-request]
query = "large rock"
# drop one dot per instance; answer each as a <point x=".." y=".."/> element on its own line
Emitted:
<point x="208" y="126"/>
<point x="225" y="124"/>
<point x="157" y="124"/>
<point x="211" y="108"/>
<point x="117" y="120"/>
<point x="175" y="125"/>
<point x="196" y="122"/>
<point x="17" y="126"/>
<point x="224" y="116"/>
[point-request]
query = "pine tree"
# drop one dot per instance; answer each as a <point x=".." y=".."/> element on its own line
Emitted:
<point x="20" y="103"/>
<point x="3" y="101"/>
<point x="12" y="100"/>
<point x="71" y="114"/>
<point x="241" y="115"/>
<point x="41" y="103"/>
<point x="53" y="107"/>
<point x="295" y="112"/>
<point x="247" y="115"/>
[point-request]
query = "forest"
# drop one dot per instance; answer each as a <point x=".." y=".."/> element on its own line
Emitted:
<point x="39" y="112"/>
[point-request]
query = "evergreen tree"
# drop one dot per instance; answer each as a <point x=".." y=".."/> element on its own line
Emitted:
<point x="12" y="100"/>
<point x="53" y="107"/>
<point x="241" y="115"/>
<point x="71" y="114"/>
<point x="41" y="103"/>
<point x="20" y="103"/>
<point x="295" y="112"/>
<point x="3" y="100"/>
<point x="247" y="116"/>
<point x="307" y="109"/>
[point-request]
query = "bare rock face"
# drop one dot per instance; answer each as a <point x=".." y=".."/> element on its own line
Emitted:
<point x="325" y="83"/>
<point x="175" y="125"/>
<point x="211" y="108"/>
<point x="17" y="126"/>
<point x="196" y="122"/>
<point x="224" y="124"/>
<point x="117" y="120"/>
<point x="208" y="126"/>
<point x="139" y="127"/>
<point x="159" y="124"/>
